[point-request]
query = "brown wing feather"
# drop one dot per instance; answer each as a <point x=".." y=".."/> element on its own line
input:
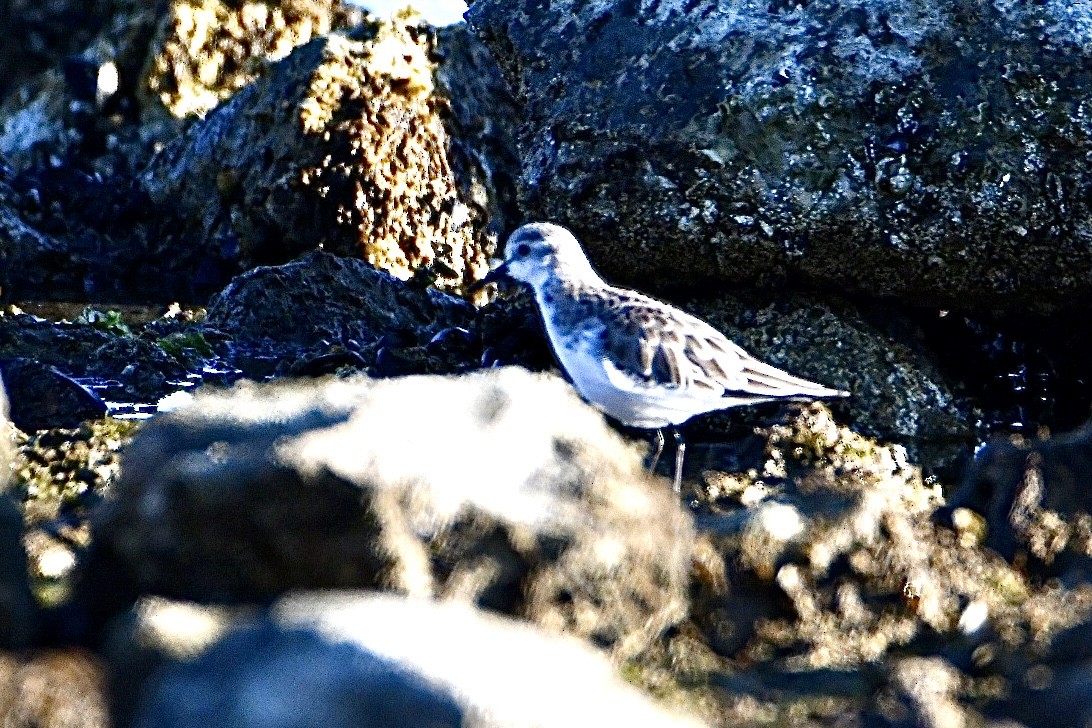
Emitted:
<point x="671" y="348"/>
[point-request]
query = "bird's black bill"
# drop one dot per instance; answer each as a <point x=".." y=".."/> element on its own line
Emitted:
<point x="501" y="271"/>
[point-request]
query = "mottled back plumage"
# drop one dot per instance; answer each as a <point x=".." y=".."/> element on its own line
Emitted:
<point x="644" y="362"/>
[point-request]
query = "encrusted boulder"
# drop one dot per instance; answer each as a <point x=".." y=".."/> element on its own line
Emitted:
<point x="931" y="152"/>
<point x="498" y="488"/>
<point x="207" y="50"/>
<point x="346" y="144"/>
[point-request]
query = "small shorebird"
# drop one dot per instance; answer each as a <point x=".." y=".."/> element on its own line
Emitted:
<point x="645" y="363"/>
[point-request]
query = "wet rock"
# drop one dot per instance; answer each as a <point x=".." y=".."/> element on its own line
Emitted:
<point x="343" y="145"/>
<point x="928" y="152"/>
<point x="498" y="488"/>
<point x="1034" y="500"/>
<point x="42" y="396"/>
<point x="362" y="659"/>
<point x="100" y="351"/>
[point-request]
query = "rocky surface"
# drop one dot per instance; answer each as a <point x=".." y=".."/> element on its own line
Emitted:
<point x="899" y="391"/>
<point x="1033" y="497"/>
<point x="928" y="152"/>
<point x="894" y="230"/>
<point x="105" y="194"/>
<point x="346" y="485"/>
<point x="356" y="659"/>
<point x="342" y="145"/>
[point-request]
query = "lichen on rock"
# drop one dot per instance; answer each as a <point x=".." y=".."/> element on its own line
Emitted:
<point x="343" y="145"/>
<point x="385" y="172"/>
<point x="209" y="49"/>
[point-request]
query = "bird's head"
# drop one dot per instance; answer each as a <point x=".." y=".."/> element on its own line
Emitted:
<point x="539" y="252"/>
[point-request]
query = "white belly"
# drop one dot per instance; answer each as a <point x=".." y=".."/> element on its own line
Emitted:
<point x="626" y="399"/>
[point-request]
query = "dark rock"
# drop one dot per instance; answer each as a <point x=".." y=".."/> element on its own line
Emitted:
<point x="121" y="365"/>
<point x="356" y="483"/>
<point x="347" y="145"/>
<point x="39" y="36"/>
<point x="322" y="297"/>
<point x="81" y="112"/>
<point x="42" y="396"/>
<point x="322" y="312"/>
<point x="358" y="659"/>
<point x="1050" y="688"/>
<point x="1035" y="500"/>
<point x="18" y="608"/>
<point x="930" y="152"/>
<point x="897" y="391"/>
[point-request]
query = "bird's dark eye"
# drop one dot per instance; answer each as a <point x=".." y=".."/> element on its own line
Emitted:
<point x="523" y="250"/>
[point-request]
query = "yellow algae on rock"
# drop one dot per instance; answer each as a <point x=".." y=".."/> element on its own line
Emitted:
<point x="367" y="145"/>
<point x="372" y="106"/>
<point x="209" y="49"/>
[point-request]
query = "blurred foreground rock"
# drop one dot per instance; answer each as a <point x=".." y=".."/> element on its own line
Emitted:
<point x="18" y="610"/>
<point x="498" y="488"/>
<point x="53" y="689"/>
<point x="1034" y="502"/>
<point x="821" y="581"/>
<point x="360" y="659"/>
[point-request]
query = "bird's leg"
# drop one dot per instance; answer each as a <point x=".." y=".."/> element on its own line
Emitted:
<point x="680" y="454"/>
<point x="657" y="452"/>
